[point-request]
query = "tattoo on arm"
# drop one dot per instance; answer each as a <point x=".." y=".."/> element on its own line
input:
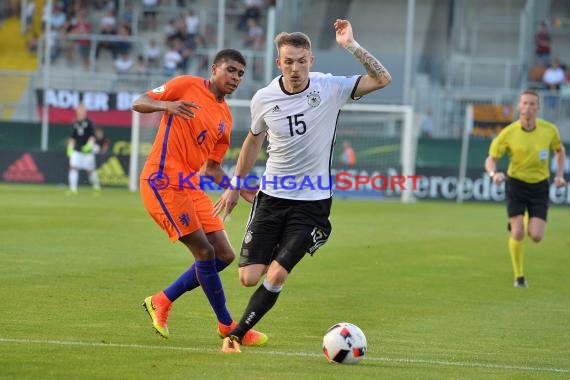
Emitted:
<point x="372" y="65"/>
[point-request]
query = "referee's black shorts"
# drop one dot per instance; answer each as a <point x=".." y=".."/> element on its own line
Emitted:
<point x="523" y="196"/>
<point x="284" y="230"/>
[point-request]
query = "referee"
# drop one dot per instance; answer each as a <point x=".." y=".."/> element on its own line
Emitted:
<point x="528" y="142"/>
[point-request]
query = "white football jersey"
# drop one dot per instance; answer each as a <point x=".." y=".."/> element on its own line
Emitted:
<point x="301" y="130"/>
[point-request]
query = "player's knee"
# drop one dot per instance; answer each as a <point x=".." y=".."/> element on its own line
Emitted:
<point x="227" y="255"/>
<point x="277" y="276"/>
<point x="204" y="253"/>
<point x="536" y="237"/>
<point x="517" y="233"/>
<point x="517" y="236"/>
<point x="248" y="279"/>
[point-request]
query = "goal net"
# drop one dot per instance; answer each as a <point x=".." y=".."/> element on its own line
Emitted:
<point x="381" y="136"/>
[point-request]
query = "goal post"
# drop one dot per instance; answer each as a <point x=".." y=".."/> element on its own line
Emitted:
<point x="135" y="151"/>
<point x="467" y="128"/>
<point x="382" y="136"/>
<point x="143" y="131"/>
<point x="392" y="121"/>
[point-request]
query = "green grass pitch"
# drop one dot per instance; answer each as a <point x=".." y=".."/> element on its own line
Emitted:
<point x="429" y="283"/>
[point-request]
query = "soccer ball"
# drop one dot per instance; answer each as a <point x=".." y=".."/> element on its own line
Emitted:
<point x="344" y="343"/>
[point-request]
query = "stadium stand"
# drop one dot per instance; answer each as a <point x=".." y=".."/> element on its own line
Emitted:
<point x="463" y="50"/>
<point x="15" y="57"/>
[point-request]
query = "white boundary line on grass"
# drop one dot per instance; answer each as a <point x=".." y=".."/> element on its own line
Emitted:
<point x="282" y="353"/>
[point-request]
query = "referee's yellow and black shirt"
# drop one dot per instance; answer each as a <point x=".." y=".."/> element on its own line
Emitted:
<point x="528" y="151"/>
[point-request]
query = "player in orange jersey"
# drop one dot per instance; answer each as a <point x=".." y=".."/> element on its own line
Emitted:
<point x="192" y="139"/>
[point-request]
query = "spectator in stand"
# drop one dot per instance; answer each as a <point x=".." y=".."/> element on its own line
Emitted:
<point x="128" y="15"/>
<point x="252" y="10"/>
<point x="108" y="23"/>
<point x="426" y="126"/>
<point x="56" y="17"/>
<point x="58" y="41"/>
<point x="170" y="30"/>
<point x="149" y="14"/>
<point x="29" y="13"/>
<point x="536" y="73"/>
<point x="152" y="54"/>
<point x="98" y="4"/>
<point x="554" y="76"/>
<point x="254" y="35"/>
<point x="32" y="41"/>
<point x="101" y="146"/>
<point x="556" y="22"/>
<point x="348" y="156"/>
<point x="542" y="43"/>
<point x="102" y="142"/>
<point x="107" y="26"/>
<point x="201" y="42"/>
<point x="172" y="59"/>
<point x="83" y="27"/>
<point x="185" y="53"/>
<point x="124" y="46"/>
<point x="74" y="9"/>
<point x="177" y="30"/>
<point x="192" y="24"/>
<point x="58" y="21"/>
<point x="123" y="64"/>
<point x="140" y="68"/>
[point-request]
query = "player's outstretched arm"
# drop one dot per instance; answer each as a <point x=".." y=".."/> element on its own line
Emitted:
<point x="377" y="76"/>
<point x="214" y="170"/>
<point x="182" y="108"/>
<point x="247" y="157"/>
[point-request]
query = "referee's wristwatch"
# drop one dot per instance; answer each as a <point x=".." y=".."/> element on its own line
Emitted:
<point x="492" y="174"/>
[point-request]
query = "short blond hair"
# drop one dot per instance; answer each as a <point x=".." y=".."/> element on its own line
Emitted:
<point x="530" y="92"/>
<point x="296" y="39"/>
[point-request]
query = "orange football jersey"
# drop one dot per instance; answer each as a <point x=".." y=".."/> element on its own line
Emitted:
<point x="182" y="146"/>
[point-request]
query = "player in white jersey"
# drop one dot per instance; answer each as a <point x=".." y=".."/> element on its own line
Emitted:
<point x="301" y="129"/>
<point x="298" y="113"/>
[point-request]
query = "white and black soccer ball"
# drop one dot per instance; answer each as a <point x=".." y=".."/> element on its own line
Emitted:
<point x="344" y="343"/>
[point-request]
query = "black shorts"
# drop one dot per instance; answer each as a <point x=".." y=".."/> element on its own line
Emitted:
<point x="523" y="196"/>
<point x="284" y="230"/>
